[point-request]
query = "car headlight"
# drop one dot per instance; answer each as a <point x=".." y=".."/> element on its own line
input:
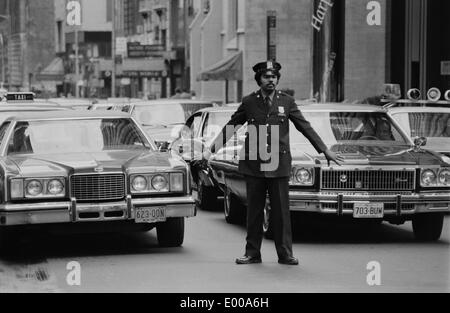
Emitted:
<point x="444" y="177"/>
<point x="159" y="183"/>
<point x="139" y="183"/>
<point x="55" y="187"/>
<point x="176" y="182"/>
<point x="34" y="188"/>
<point x="428" y="178"/>
<point x="303" y="177"/>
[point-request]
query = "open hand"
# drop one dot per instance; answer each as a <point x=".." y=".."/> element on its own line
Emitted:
<point x="333" y="157"/>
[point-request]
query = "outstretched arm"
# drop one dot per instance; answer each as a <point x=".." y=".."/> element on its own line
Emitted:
<point x="305" y="128"/>
<point x="238" y="119"/>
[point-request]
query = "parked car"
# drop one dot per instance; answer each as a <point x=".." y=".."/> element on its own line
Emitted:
<point x="386" y="177"/>
<point x="74" y="103"/>
<point x="427" y="120"/>
<point x="97" y="170"/>
<point x="197" y="135"/>
<point x="163" y="119"/>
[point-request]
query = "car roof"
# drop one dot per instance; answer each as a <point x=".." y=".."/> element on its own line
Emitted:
<point x="67" y="114"/>
<point x="32" y="107"/>
<point x="339" y="107"/>
<point x="419" y="109"/>
<point x="172" y="101"/>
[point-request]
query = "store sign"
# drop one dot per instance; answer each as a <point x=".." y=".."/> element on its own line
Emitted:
<point x="121" y="46"/>
<point x="445" y="68"/>
<point x="136" y="50"/>
<point x="143" y="74"/>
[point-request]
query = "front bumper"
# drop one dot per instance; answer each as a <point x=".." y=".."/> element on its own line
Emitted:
<point x="73" y="212"/>
<point x="394" y="204"/>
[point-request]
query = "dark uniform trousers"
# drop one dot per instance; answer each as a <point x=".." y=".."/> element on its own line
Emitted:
<point x="255" y="112"/>
<point x="280" y="221"/>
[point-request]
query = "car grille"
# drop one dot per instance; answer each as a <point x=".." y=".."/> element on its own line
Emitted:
<point x="98" y="187"/>
<point x="368" y="180"/>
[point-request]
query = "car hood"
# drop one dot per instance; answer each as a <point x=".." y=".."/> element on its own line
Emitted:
<point x="369" y="155"/>
<point x="91" y="163"/>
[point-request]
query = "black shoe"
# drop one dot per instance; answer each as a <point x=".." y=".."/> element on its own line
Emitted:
<point x="248" y="260"/>
<point x="288" y="261"/>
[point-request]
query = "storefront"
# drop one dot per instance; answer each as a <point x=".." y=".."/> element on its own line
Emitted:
<point x="419" y="45"/>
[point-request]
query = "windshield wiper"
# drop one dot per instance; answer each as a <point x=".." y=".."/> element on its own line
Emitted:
<point x="154" y="125"/>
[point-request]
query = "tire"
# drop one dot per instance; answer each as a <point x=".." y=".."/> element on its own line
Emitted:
<point x="235" y="212"/>
<point x="207" y="197"/>
<point x="428" y="227"/>
<point x="267" y="229"/>
<point x="171" y="233"/>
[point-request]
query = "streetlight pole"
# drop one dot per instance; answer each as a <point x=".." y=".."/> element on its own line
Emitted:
<point x="77" y="64"/>
<point x="113" y="54"/>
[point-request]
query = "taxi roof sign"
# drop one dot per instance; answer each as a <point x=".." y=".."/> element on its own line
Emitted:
<point x="20" y="96"/>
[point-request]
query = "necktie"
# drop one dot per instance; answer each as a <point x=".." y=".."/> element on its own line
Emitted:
<point x="268" y="102"/>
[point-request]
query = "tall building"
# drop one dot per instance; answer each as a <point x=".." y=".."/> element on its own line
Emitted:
<point x="153" y="53"/>
<point x="90" y="41"/>
<point x="27" y="41"/>
<point x="332" y="50"/>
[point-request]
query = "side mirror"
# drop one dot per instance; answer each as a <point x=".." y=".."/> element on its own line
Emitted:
<point x="420" y="142"/>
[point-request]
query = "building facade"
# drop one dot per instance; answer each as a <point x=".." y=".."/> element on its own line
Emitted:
<point x="151" y="43"/>
<point x="332" y="50"/>
<point x="27" y="41"/>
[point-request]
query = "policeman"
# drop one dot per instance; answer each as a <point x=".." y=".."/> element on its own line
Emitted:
<point x="268" y="112"/>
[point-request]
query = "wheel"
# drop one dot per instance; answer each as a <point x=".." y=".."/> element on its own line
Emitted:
<point x="171" y="232"/>
<point x="428" y="227"/>
<point x="207" y="197"/>
<point x="235" y="212"/>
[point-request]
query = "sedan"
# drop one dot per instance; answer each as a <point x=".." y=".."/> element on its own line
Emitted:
<point x="90" y="170"/>
<point x="386" y="177"/>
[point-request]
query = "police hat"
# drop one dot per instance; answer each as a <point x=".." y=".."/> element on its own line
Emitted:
<point x="267" y="66"/>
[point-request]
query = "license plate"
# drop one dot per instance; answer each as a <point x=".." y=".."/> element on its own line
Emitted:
<point x="368" y="210"/>
<point x="150" y="215"/>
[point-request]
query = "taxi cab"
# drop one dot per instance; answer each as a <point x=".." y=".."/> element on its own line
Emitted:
<point x="82" y="170"/>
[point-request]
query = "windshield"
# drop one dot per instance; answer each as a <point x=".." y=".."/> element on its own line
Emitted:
<point x="74" y="136"/>
<point x="353" y="128"/>
<point x="166" y="114"/>
<point x="433" y="126"/>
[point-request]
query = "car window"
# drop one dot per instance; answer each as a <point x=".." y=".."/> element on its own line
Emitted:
<point x="73" y="136"/>
<point x="214" y="124"/>
<point x="195" y="126"/>
<point x="3" y="130"/>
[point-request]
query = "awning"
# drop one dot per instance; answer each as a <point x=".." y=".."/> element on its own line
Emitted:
<point x="229" y="68"/>
<point x="53" y="72"/>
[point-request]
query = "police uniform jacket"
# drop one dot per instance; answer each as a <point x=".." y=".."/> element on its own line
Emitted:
<point x="255" y="111"/>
